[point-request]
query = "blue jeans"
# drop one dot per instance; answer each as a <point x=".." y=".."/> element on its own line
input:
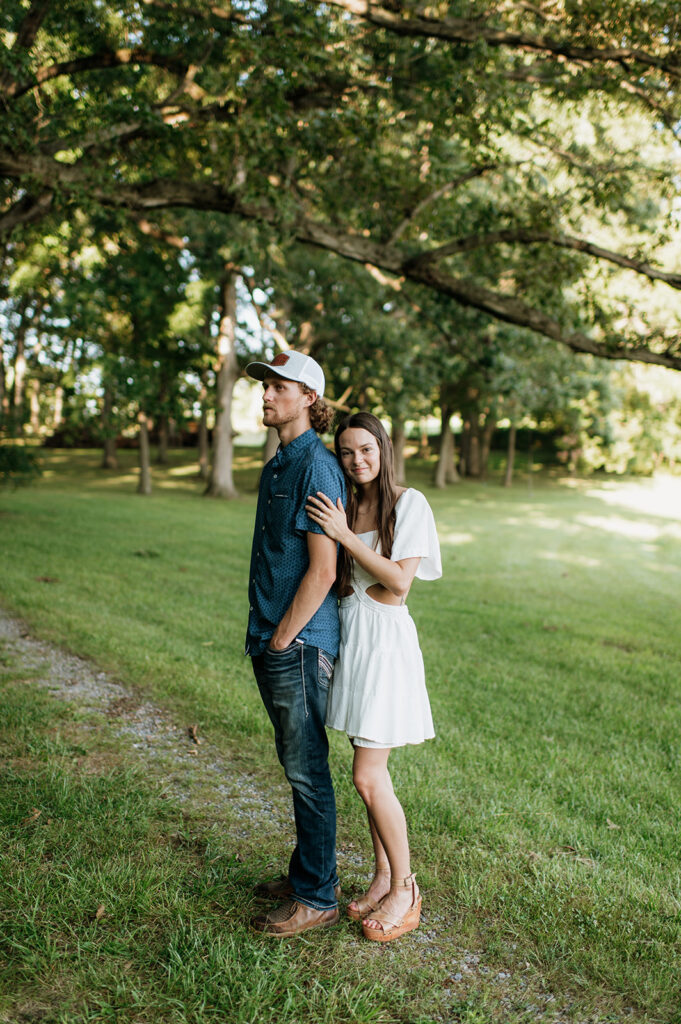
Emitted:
<point x="294" y="686"/>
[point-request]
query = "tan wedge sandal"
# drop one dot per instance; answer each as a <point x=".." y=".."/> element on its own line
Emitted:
<point x="366" y="906"/>
<point x="392" y="927"/>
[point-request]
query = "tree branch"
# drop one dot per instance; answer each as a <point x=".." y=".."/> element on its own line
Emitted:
<point x="474" y="29"/>
<point x="96" y="62"/>
<point x="529" y="236"/>
<point x="31" y="24"/>
<point x="24" y="211"/>
<point x="450" y="186"/>
<point x="163" y="194"/>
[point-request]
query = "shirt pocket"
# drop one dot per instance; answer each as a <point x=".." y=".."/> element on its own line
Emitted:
<point x="279" y="519"/>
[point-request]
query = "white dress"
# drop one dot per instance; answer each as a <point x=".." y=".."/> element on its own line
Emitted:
<point x="378" y="694"/>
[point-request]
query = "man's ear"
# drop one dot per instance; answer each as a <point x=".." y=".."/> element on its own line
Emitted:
<point x="311" y="397"/>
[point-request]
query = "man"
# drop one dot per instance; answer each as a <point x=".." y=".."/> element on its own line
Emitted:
<point x="293" y="632"/>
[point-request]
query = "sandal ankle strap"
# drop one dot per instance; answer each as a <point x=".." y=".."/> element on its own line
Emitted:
<point x="403" y="883"/>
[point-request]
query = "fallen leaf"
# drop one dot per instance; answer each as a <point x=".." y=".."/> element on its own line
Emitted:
<point x="550" y="629"/>
<point x="101" y="910"/>
<point x="611" y="824"/>
<point x="33" y="816"/>
<point x="46" y="579"/>
<point x="207" y="643"/>
<point x="193" y="731"/>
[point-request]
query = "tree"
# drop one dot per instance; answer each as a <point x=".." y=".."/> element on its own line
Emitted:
<point x="472" y="155"/>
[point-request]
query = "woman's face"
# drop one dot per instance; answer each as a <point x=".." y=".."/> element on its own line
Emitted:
<point x="360" y="455"/>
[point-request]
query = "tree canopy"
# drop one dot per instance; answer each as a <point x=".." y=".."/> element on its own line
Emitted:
<point x="522" y="160"/>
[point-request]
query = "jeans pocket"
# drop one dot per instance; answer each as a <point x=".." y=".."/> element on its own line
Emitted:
<point x="324" y="668"/>
<point x="295" y="646"/>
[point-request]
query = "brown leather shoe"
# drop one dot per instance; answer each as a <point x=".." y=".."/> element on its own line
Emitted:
<point x="292" y="918"/>
<point x="278" y="889"/>
<point x="281" y="889"/>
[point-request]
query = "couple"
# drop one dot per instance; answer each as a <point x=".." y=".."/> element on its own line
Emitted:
<point x="310" y="506"/>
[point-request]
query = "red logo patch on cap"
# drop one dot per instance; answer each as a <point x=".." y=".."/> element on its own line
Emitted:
<point x="279" y="360"/>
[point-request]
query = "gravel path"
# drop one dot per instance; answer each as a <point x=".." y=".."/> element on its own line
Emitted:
<point x="201" y="773"/>
<point x="190" y="767"/>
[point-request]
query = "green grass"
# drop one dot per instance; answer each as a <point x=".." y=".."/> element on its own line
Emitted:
<point x="544" y="818"/>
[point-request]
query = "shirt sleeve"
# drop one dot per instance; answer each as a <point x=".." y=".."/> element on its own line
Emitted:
<point x="416" y="535"/>
<point x="320" y="475"/>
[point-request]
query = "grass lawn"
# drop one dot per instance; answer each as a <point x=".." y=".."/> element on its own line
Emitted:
<point x="544" y="818"/>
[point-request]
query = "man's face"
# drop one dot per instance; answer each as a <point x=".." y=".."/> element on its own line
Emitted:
<point x="282" y="401"/>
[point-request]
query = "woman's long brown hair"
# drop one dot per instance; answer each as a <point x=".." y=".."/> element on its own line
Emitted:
<point x="387" y="493"/>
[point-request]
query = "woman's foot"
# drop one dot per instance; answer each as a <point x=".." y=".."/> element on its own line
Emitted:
<point x="371" y="899"/>
<point x="400" y="912"/>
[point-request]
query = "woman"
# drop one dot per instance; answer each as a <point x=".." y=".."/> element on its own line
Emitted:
<point x="378" y="696"/>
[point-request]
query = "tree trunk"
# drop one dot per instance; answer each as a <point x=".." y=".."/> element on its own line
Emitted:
<point x="465" y="447"/>
<point x="510" y="456"/>
<point x="445" y="470"/>
<point x="144" y="485"/>
<point x="19" y="376"/>
<point x="109" y="458"/>
<point x="221" y="483"/>
<point x="162" y="420"/>
<point x="204" y="447"/>
<point x="163" y="437"/>
<point x="58" y="411"/>
<point x="3" y="384"/>
<point x="399" y="439"/>
<point x="473" y="461"/>
<point x="487" y="432"/>
<point x="270" y="446"/>
<point x="34" y="399"/>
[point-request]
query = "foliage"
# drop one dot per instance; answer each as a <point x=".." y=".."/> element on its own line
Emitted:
<point x="477" y="153"/>
<point x="18" y="465"/>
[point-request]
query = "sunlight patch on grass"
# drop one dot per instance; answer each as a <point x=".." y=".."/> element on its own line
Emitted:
<point x="457" y="538"/>
<point x="635" y="530"/>
<point x="572" y="558"/>
<point x="660" y="496"/>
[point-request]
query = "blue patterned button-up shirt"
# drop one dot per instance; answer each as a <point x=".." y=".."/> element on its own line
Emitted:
<point x="279" y="556"/>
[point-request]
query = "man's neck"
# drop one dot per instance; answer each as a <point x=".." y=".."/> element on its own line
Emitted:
<point x="290" y="431"/>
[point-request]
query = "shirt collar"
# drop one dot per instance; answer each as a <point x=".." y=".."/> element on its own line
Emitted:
<point x="297" y="446"/>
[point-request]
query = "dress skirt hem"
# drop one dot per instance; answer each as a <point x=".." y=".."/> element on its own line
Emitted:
<point x="378" y="693"/>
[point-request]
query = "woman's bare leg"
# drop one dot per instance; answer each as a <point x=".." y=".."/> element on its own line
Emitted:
<point x="386" y="820"/>
<point x="380" y="883"/>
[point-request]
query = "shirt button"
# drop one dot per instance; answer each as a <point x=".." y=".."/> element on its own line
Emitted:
<point x="263" y="527"/>
<point x="274" y="476"/>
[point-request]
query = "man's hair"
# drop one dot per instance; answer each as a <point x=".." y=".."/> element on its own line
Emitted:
<point x="321" y="414"/>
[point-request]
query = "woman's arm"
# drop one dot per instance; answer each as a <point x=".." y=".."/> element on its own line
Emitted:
<point x="396" y="577"/>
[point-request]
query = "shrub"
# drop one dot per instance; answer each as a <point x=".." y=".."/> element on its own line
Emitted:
<point x="18" y="465"/>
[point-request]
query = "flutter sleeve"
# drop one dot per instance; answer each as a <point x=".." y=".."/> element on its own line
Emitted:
<point x="416" y="535"/>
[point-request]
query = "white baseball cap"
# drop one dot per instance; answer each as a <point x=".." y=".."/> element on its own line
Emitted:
<point x="292" y="366"/>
